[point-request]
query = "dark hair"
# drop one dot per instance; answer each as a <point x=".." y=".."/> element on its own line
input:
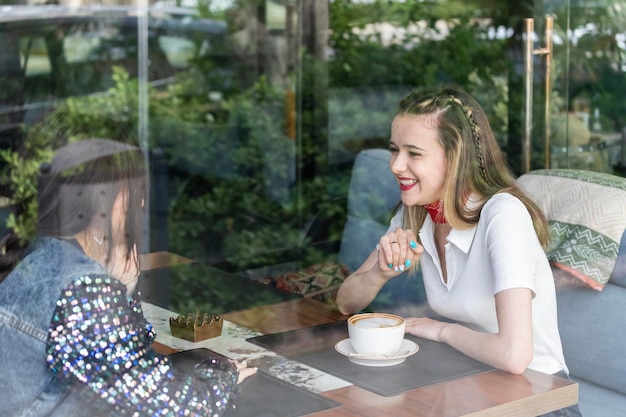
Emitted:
<point x="79" y="186"/>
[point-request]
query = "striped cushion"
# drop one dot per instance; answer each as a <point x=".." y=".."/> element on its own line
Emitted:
<point x="587" y="216"/>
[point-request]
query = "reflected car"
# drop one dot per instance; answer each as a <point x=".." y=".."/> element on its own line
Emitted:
<point x="53" y="52"/>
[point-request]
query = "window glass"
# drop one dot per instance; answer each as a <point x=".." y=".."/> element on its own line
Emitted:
<point x="178" y="50"/>
<point x="256" y="110"/>
<point x="80" y="47"/>
<point x="34" y="56"/>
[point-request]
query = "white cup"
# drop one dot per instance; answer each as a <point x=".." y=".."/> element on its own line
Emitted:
<point x="376" y="333"/>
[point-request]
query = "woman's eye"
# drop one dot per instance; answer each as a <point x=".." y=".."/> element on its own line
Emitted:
<point x="393" y="149"/>
<point x="414" y="154"/>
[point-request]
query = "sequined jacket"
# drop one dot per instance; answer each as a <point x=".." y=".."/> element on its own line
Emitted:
<point x="73" y="344"/>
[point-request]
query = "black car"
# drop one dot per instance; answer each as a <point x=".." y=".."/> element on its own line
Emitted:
<point x="53" y="52"/>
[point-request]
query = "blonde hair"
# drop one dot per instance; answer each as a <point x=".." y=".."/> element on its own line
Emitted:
<point x="476" y="166"/>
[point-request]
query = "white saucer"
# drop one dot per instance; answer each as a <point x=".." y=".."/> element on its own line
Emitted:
<point x="407" y="348"/>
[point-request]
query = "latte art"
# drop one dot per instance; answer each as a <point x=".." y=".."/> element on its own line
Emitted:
<point x="377" y="322"/>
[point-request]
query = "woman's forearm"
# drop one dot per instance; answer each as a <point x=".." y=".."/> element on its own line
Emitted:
<point x="510" y="349"/>
<point x="360" y="288"/>
<point x="356" y="293"/>
<point x="508" y="354"/>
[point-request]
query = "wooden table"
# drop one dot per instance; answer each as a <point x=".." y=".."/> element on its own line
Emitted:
<point x="161" y="259"/>
<point x="494" y="393"/>
<point x="489" y="394"/>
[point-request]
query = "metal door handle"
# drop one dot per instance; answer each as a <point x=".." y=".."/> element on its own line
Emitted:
<point x="529" y="53"/>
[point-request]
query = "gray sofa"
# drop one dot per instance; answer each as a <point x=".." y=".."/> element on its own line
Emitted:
<point x="593" y="332"/>
<point x="592" y="323"/>
<point x="372" y="199"/>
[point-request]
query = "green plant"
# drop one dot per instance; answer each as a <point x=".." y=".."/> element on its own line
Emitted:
<point x="250" y="211"/>
<point x="74" y="119"/>
<point x="20" y="178"/>
<point x="408" y="44"/>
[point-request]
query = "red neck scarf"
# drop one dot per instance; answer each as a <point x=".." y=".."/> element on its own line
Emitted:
<point x="436" y="211"/>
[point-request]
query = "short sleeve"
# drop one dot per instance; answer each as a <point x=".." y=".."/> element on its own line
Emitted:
<point x="511" y="242"/>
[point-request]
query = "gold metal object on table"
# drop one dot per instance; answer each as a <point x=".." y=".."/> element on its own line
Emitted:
<point x="196" y="327"/>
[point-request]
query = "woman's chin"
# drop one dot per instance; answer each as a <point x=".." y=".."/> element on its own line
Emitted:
<point x="410" y="201"/>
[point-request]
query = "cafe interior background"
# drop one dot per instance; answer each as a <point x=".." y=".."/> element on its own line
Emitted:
<point x="251" y="112"/>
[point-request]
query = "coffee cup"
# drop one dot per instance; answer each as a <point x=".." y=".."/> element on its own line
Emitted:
<point x="376" y="333"/>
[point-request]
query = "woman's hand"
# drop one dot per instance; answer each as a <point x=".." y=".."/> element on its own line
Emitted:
<point x="244" y="371"/>
<point x="425" y="328"/>
<point x="397" y="251"/>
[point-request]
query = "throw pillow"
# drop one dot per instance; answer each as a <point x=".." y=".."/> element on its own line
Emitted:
<point x="587" y="216"/>
<point x="319" y="282"/>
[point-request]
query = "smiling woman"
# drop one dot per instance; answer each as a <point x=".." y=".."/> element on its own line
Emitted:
<point x="459" y="209"/>
<point x="422" y="163"/>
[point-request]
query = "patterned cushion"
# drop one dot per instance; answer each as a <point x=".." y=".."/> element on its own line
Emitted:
<point x="319" y="281"/>
<point x="587" y="216"/>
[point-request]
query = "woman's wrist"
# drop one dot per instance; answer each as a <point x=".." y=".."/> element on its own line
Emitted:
<point x="445" y="332"/>
<point x="378" y="278"/>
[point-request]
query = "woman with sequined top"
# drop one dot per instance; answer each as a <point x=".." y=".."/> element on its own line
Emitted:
<point x="478" y="238"/>
<point x="74" y="338"/>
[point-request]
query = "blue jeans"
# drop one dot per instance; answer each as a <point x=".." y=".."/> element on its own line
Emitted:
<point x="571" y="411"/>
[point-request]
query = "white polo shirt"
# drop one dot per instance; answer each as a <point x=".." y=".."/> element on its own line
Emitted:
<point x="501" y="252"/>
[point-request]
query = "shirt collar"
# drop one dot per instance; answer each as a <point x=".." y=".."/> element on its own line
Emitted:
<point x="462" y="239"/>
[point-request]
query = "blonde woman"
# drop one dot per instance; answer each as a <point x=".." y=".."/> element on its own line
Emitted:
<point x="479" y="240"/>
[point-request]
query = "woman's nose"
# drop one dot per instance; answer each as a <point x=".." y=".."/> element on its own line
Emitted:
<point x="397" y="164"/>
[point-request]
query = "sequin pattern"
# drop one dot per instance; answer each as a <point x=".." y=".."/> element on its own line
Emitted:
<point x="100" y="338"/>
